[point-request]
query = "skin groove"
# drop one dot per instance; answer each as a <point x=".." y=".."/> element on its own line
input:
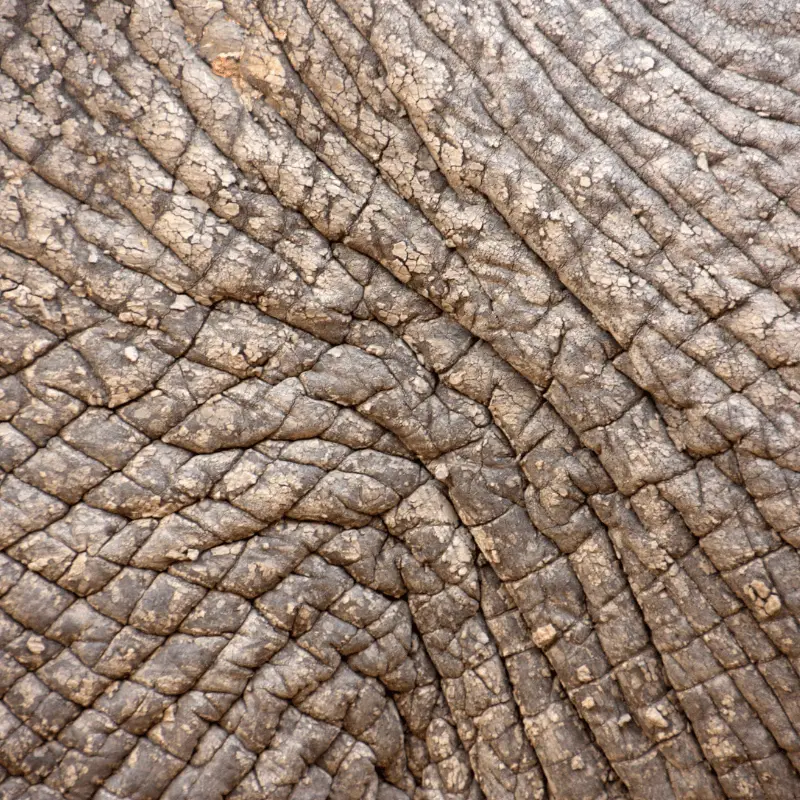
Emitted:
<point x="399" y="399"/>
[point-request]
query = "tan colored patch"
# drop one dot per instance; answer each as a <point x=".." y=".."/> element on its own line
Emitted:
<point x="225" y="66"/>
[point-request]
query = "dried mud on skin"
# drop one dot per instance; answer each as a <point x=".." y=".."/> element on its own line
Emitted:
<point x="399" y="399"/>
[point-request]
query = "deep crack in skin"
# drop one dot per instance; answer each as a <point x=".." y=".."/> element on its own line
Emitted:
<point x="399" y="399"/>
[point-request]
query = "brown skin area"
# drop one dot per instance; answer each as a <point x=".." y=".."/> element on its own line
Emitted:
<point x="399" y="400"/>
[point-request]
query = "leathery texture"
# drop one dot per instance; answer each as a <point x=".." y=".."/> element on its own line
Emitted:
<point x="399" y="399"/>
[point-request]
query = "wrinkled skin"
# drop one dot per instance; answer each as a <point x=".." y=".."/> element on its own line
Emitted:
<point x="399" y="399"/>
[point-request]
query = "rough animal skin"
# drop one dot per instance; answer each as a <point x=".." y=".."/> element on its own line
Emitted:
<point x="399" y="399"/>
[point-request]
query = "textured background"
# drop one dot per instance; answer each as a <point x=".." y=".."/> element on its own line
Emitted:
<point x="399" y="399"/>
